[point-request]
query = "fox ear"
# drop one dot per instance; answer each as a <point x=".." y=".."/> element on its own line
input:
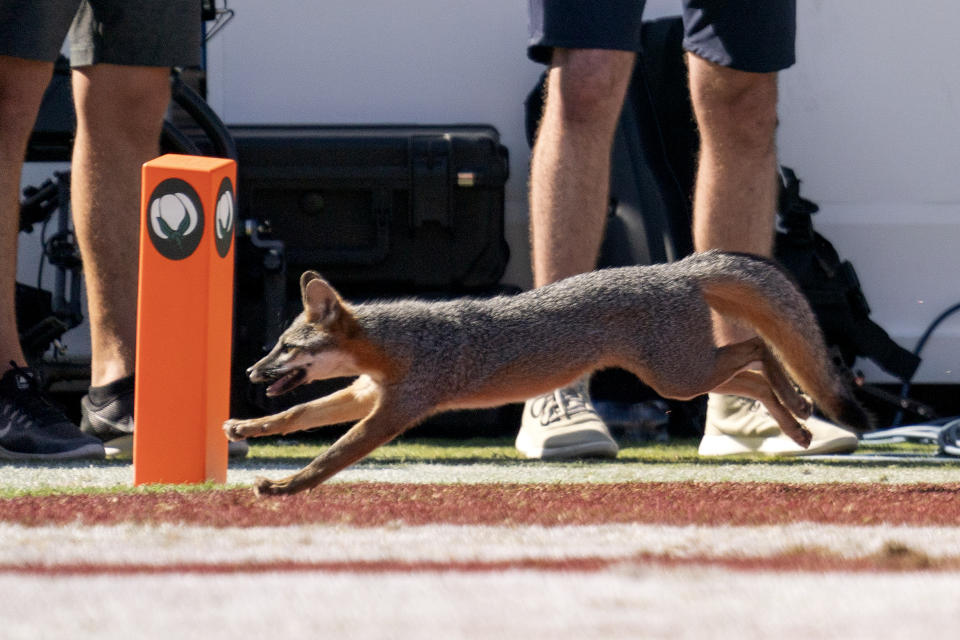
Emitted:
<point x="320" y="302"/>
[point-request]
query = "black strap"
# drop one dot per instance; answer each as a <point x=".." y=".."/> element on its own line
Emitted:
<point x="875" y="343"/>
<point x="832" y="285"/>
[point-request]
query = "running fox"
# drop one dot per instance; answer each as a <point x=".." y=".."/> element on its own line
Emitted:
<point x="416" y="358"/>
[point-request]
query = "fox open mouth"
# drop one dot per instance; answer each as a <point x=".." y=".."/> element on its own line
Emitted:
<point x="287" y="382"/>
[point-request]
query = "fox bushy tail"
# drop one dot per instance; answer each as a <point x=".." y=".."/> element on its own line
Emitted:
<point x="760" y="292"/>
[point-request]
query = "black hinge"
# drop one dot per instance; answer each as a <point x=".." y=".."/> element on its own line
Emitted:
<point x="431" y="179"/>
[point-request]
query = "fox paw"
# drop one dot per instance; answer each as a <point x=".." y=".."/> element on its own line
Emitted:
<point x="266" y="487"/>
<point x="243" y="429"/>
<point x="804" y="408"/>
<point x="233" y="430"/>
<point x="301" y="481"/>
<point x="802" y="436"/>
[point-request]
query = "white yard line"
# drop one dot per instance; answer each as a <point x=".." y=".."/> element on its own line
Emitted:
<point x="31" y="477"/>
<point x="636" y="602"/>
<point x="165" y="544"/>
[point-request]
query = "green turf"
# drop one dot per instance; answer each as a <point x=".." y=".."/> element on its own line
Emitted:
<point x="496" y="460"/>
<point x="17" y="492"/>
<point x="453" y="451"/>
<point x="502" y="449"/>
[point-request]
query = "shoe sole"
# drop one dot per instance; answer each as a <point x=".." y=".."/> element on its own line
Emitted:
<point x="725" y="445"/>
<point x="123" y="447"/>
<point x="97" y="426"/>
<point x="86" y="452"/>
<point x="599" y="449"/>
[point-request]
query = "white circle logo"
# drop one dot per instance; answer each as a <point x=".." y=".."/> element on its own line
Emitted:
<point x="224" y="220"/>
<point x="173" y="215"/>
<point x="175" y="219"/>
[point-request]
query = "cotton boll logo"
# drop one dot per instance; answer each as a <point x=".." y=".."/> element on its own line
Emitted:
<point x="175" y="219"/>
<point x="225" y="217"/>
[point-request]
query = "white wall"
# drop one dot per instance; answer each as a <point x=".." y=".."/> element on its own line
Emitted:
<point x="868" y="117"/>
<point x="382" y="61"/>
<point x="869" y="121"/>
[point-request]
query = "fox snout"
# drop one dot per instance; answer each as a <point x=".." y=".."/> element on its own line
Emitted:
<point x="263" y="372"/>
<point x="281" y="378"/>
<point x="282" y="374"/>
<point x="255" y="374"/>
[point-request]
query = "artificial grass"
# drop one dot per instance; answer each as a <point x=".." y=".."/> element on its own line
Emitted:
<point x="501" y="449"/>
<point x="494" y="460"/>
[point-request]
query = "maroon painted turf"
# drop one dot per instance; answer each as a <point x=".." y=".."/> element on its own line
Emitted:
<point x="375" y="504"/>
<point x="892" y="558"/>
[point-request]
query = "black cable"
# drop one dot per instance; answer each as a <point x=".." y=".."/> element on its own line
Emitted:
<point x="949" y="438"/>
<point x="43" y="253"/>
<point x="921" y="343"/>
<point x="205" y="117"/>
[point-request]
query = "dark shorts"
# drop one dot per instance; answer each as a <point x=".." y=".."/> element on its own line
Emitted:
<point x="151" y="33"/>
<point x="747" y="35"/>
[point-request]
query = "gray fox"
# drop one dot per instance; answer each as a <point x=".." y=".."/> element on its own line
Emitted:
<point x="414" y="358"/>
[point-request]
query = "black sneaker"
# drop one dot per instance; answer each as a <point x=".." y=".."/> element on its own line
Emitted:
<point x="107" y="413"/>
<point x="31" y="428"/>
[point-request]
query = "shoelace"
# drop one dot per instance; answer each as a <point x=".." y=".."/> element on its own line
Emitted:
<point x="29" y="400"/>
<point x="738" y="403"/>
<point x="28" y="375"/>
<point x="560" y="404"/>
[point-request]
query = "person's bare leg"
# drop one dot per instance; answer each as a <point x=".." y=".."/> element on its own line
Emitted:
<point x="22" y="83"/>
<point x="570" y="168"/>
<point x="120" y="113"/>
<point x="30" y="428"/>
<point x="734" y="209"/>
<point x="735" y="196"/>
<point x="569" y="193"/>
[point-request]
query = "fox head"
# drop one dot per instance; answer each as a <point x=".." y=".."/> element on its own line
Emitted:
<point x="312" y="346"/>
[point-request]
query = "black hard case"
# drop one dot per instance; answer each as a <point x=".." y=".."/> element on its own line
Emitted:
<point x="381" y="208"/>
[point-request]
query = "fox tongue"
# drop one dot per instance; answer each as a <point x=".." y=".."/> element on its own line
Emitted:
<point x="287" y="382"/>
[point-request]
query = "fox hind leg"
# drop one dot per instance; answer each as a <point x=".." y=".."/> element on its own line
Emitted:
<point x="730" y="373"/>
<point x="784" y="388"/>
<point x="771" y="385"/>
<point x="726" y="362"/>
<point x="754" y="384"/>
<point x="735" y="359"/>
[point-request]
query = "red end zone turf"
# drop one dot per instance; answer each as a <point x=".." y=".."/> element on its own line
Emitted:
<point x="378" y="504"/>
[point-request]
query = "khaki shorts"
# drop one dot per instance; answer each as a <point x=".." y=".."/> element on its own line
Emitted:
<point x="152" y="33"/>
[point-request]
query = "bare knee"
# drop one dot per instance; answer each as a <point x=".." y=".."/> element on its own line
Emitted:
<point x="736" y="108"/>
<point x="588" y="85"/>
<point x="121" y="102"/>
<point x="22" y="83"/>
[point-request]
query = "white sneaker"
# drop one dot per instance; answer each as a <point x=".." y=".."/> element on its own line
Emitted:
<point x="738" y="425"/>
<point x="564" y="424"/>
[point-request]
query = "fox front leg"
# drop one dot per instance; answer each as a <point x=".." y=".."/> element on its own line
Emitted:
<point x="376" y="429"/>
<point x="346" y="405"/>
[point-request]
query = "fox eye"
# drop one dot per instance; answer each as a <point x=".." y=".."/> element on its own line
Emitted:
<point x="286" y="348"/>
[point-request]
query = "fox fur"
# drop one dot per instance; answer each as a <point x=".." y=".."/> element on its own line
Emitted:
<point x="414" y="358"/>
